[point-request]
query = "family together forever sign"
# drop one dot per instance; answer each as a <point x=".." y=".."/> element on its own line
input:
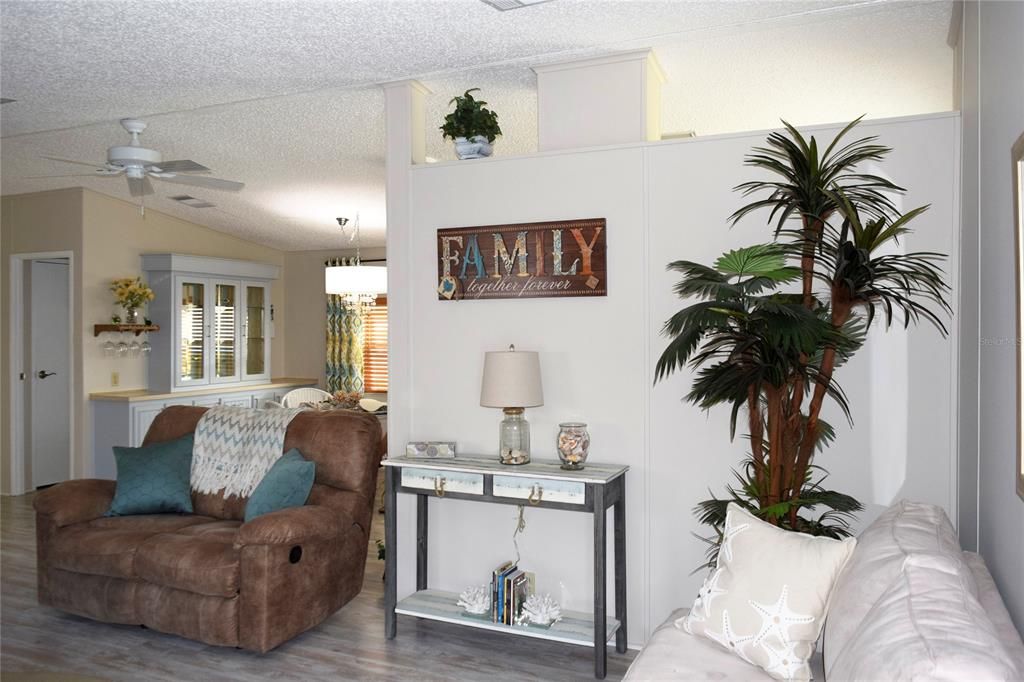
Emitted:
<point x="528" y="260"/>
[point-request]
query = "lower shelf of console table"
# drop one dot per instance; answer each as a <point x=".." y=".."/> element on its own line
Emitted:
<point x="575" y="627"/>
<point x="594" y="490"/>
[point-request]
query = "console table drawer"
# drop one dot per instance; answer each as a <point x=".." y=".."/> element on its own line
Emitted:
<point x="540" y="489"/>
<point x="443" y="481"/>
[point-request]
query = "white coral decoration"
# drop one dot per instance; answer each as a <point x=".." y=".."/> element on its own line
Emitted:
<point x="476" y="599"/>
<point x="541" y="610"/>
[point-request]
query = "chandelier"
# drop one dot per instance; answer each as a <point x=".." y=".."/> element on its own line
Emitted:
<point x="357" y="284"/>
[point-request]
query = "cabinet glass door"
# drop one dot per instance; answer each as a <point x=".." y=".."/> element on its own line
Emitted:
<point x="255" y="331"/>
<point x="225" y="331"/>
<point x="192" y="326"/>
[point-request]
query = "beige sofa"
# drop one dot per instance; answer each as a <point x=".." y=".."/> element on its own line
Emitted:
<point x="909" y="605"/>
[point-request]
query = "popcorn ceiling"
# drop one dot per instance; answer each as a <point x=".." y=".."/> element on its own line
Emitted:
<point x="281" y="95"/>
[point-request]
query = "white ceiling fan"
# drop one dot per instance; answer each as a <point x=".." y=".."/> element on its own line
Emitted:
<point x="138" y="164"/>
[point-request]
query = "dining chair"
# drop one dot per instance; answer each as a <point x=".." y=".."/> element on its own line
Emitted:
<point x="298" y="396"/>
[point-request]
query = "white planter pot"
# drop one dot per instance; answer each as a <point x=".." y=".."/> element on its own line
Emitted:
<point x="485" y="148"/>
<point x="465" y="149"/>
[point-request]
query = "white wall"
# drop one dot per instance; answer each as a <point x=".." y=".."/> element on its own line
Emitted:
<point x="969" y="318"/>
<point x="662" y="201"/>
<point x="993" y="119"/>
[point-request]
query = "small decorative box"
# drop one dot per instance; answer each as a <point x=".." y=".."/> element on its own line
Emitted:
<point x="430" y="449"/>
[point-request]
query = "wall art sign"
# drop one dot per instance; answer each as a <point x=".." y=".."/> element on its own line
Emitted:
<point x="528" y="260"/>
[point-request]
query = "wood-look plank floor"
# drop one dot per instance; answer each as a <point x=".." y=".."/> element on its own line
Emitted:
<point x="348" y="646"/>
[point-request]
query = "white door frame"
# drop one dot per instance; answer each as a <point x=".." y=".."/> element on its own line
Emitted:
<point x="17" y="359"/>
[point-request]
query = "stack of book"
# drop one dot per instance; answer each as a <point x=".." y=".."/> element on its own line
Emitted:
<point x="510" y="586"/>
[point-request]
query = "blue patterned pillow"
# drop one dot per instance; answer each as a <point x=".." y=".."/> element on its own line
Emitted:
<point x="287" y="484"/>
<point x="153" y="479"/>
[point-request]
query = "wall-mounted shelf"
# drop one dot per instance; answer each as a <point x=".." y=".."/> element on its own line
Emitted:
<point x="134" y="328"/>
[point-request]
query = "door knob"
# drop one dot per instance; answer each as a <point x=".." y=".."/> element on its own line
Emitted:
<point x="42" y="374"/>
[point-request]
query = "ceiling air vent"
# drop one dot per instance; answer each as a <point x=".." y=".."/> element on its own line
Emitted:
<point x="506" y="5"/>
<point x="192" y="201"/>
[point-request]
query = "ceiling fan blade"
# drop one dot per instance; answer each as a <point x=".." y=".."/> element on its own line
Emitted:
<point x="139" y="186"/>
<point x="79" y="163"/>
<point x="73" y="175"/>
<point x="181" y="166"/>
<point x="204" y="181"/>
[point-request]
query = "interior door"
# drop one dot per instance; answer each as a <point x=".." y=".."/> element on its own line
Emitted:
<point x="49" y="333"/>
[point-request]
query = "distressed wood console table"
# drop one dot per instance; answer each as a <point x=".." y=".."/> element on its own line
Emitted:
<point x="541" y="484"/>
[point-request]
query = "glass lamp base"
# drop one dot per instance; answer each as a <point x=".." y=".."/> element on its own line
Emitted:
<point x="514" y="437"/>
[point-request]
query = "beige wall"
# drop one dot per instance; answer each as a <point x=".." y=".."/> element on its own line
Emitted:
<point x="305" y="318"/>
<point x="107" y="237"/>
<point x="115" y="237"/>
<point x="35" y="223"/>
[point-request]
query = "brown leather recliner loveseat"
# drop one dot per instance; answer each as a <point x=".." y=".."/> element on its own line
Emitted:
<point x="208" y="576"/>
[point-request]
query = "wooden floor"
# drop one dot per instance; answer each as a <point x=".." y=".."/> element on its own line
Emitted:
<point x="348" y="646"/>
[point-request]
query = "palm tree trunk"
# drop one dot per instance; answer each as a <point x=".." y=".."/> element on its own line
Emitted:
<point x="841" y="309"/>
<point x="796" y="466"/>
<point x="756" y="436"/>
<point x="812" y="233"/>
<point x="776" y="454"/>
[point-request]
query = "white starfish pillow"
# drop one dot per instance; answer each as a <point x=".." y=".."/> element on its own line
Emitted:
<point x="767" y="597"/>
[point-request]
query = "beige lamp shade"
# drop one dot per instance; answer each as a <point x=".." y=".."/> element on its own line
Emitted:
<point x="511" y="379"/>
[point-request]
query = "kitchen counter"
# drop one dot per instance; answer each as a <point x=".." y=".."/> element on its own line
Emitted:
<point x="142" y="395"/>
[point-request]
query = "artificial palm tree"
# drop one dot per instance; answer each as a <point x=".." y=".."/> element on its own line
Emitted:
<point x="772" y="353"/>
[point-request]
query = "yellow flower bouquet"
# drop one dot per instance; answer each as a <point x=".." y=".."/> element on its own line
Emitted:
<point x="131" y="292"/>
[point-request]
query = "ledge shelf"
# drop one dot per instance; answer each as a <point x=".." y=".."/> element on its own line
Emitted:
<point x="134" y="328"/>
<point x="574" y="627"/>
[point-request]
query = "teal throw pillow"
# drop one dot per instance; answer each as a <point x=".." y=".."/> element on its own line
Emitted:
<point x="287" y="484"/>
<point x="153" y="479"/>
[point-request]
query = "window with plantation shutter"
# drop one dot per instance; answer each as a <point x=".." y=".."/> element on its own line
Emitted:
<point x="375" y="347"/>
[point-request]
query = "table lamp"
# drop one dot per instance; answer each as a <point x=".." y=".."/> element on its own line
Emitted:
<point x="512" y="382"/>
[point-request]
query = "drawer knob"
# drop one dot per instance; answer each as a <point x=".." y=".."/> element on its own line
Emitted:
<point x="536" y="493"/>
<point x="439" y="482"/>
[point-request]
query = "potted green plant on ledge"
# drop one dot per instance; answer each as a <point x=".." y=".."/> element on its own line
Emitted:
<point x="771" y="353"/>
<point x="472" y="126"/>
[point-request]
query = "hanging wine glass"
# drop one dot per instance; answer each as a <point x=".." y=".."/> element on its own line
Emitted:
<point x="109" y="348"/>
<point x="134" y="348"/>
<point x="145" y="347"/>
<point x="122" y="346"/>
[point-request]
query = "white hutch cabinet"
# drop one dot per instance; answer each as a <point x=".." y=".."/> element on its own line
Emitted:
<point x="216" y="314"/>
<point x="213" y="348"/>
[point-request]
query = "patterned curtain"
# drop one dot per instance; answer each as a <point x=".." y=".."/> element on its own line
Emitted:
<point x="344" y="346"/>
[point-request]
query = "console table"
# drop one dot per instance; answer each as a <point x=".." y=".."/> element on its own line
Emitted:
<point x="542" y="484"/>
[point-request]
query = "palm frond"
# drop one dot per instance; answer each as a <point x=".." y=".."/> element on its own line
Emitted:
<point x="833" y="522"/>
<point x="804" y="177"/>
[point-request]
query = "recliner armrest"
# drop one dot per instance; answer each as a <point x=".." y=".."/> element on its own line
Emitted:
<point x="75" y="501"/>
<point x="293" y="526"/>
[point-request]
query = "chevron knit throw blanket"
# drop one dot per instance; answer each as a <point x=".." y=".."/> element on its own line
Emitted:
<point x="236" y="446"/>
